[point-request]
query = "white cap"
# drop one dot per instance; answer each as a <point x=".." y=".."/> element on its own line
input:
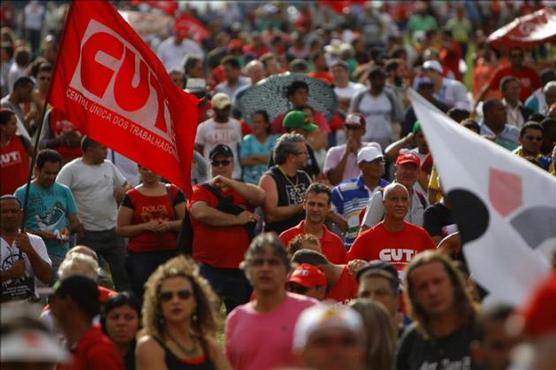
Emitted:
<point x="32" y="346"/>
<point x="324" y="316"/>
<point x="434" y="65"/>
<point x="369" y="153"/>
<point x="220" y="101"/>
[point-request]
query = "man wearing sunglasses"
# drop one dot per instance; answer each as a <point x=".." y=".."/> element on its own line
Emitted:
<point x="530" y="138"/>
<point x="220" y="212"/>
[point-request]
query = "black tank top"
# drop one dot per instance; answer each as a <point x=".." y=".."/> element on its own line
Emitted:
<point x="288" y="195"/>
<point x="173" y="362"/>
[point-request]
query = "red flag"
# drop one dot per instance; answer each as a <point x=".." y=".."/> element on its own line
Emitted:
<point x="192" y="26"/>
<point x="114" y="88"/>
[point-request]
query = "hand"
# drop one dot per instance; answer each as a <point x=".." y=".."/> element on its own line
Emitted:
<point x="152" y="225"/>
<point x="18" y="269"/>
<point x="23" y="243"/>
<point x="355" y="265"/>
<point x="246" y="217"/>
<point x="80" y="231"/>
<point x="222" y="182"/>
<point x="45" y="234"/>
<point x="352" y="146"/>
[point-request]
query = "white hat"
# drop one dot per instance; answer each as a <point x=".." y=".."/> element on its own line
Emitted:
<point x="434" y="65"/>
<point x="220" y="101"/>
<point x="324" y="316"/>
<point x="368" y="154"/>
<point x="31" y="345"/>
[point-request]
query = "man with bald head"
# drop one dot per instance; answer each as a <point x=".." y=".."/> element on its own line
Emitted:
<point x="392" y="240"/>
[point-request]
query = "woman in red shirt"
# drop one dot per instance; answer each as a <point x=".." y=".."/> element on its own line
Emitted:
<point x="150" y="216"/>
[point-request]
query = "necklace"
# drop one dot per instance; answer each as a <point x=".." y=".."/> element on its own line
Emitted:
<point x="289" y="180"/>
<point x="188" y="352"/>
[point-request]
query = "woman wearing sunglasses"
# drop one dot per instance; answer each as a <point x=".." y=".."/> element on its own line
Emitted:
<point x="179" y="321"/>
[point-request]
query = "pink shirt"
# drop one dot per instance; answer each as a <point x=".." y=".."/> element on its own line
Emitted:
<point x="262" y="341"/>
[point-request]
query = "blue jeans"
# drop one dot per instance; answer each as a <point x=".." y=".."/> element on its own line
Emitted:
<point x="231" y="285"/>
<point x="140" y="266"/>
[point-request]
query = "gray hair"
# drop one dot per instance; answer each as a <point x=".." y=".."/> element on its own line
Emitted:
<point x="254" y="64"/>
<point x="74" y="264"/>
<point x="286" y="145"/>
<point x="388" y="188"/>
<point x="263" y="242"/>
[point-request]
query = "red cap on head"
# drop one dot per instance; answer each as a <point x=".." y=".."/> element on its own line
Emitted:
<point x="308" y="276"/>
<point x="539" y="313"/>
<point x="408" y="158"/>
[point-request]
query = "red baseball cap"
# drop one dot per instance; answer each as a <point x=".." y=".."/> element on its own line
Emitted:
<point x="408" y="158"/>
<point x="538" y="314"/>
<point x="308" y="276"/>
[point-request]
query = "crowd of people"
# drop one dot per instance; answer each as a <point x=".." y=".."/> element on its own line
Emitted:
<point x="316" y="235"/>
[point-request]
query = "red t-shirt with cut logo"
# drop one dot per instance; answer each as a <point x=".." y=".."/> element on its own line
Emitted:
<point x="396" y="248"/>
<point x="14" y="165"/>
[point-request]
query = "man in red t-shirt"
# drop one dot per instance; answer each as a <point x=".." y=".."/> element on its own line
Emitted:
<point x="74" y="304"/>
<point x="342" y="285"/>
<point x="528" y="77"/>
<point x="14" y="154"/>
<point x="317" y="206"/>
<point x="393" y="240"/>
<point x="221" y="215"/>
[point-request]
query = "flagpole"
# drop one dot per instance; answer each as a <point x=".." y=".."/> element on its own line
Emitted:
<point x="32" y="167"/>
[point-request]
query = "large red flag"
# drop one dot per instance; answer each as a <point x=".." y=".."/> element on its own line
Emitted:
<point x="114" y="88"/>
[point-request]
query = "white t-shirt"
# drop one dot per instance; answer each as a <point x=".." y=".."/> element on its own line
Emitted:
<point x="211" y="133"/>
<point x="9" y="254"/>
<point x="378" y="113"/>
<point x="127" y="167"/>
<point x="93" y="189"/>
<point x="173" y="56"/>
<point x="348" y="91"/>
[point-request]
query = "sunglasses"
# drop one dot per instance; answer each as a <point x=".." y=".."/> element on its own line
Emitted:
<point x="224" y="163"/>
<point x="168" y="296"/>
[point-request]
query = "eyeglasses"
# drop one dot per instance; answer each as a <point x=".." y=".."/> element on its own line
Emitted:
<point x="223" y="163"/>
<point x="533" y="138"/>
<point x="169" y="295"/>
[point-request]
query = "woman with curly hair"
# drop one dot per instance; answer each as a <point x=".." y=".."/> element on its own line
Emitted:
<point x="179" y="320"/>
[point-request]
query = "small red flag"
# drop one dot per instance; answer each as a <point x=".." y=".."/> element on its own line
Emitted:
<point x="115" y="90"/>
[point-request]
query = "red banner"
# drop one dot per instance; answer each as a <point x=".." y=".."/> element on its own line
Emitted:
<point x="193" y="26"/>
<point x="527" y="31"/>
<point x="115" y="89"/>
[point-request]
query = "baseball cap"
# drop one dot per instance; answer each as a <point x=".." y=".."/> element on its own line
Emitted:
<point x="221" y="149"/>
<point x="355" y="119"/>
<point x="221" y="101"/>
<point x="408" y="158"/>
<point x="368" y="154"/>
<point x="382" y="269"/>
<point x="308" y="276"/>
<point x="434" y="65"/>
<point x="299" y="119"/>
<point x="324" y="316"/>
<point x="416" y="127"/>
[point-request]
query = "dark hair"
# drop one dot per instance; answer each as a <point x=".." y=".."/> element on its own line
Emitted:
<point x="263" y="242"/>
<point x="82" y="290"/>
<point x="536" y="117"/>
<point x="376" y="72"/>
<point x="87" y="143"/>
<point x="231" y="61"/>
<point x="548" y="75"/>
<point x="22" y="56"/>
<point x="119" y="300"/>
<point x="318" y="188"/>
<point x="309" y="256"/>
<point x="263" y="113"/>
<point x="498" y="312"/>
<point x="23" y="81"/>
<point x="10" y="197"/>
<point x="380" y="269"/>
<point x="471" y="124"/>
<point x="294" y="86"/>
<point x="5" y="116"/>
<point x="458" y="114"/>
<point x="48" y="155"/>
<point x="548" y="123"/>
<point x="505" y="81"/>
<point x="532" y="126"/>
<point x="392" y="65"/>
<point x="191" y="62"/>
<point x="489" y="104"/>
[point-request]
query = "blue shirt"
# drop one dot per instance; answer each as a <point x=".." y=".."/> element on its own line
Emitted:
<point x="48" y="210"/>
<point x="349" y="199"/>
<point x="508" y="138"/>
<point x="251" y="146"/>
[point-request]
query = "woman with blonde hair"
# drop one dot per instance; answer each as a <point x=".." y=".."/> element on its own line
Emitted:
<point x="179" y="320"/>
<point x="380" y="331"/>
